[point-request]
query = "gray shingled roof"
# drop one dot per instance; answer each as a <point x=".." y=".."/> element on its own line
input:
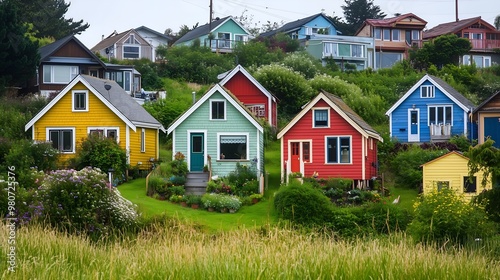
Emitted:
<point x="294" y="25"/>
<point x="168" y="38"/>
<point x="349" y="112"/>
<point x="200" y="31"/>
<point x="47" y="50"/>
<point x="453" y="92"/>
<point x="121" y="101"/>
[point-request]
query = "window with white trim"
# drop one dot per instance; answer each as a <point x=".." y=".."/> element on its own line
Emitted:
<point x="131" y="52"/>
<point x="258" y="110"/>
<point x="108" y="132"/>
<point x="143" y="140"/>
<point x="377" y="33"/>
<point x="338" y="149"/>
<point x="386" y="34"/>
<point x="427" y="91"/>
<point x="62" y="139"/>
<point x="80" y="100"/>
<point x="233" y="147"/>
<point x="440" y="114"/>
<point x="320" y="118"/>
<point x="217" y="109"/>
<point x="59" y="74"/>
<point x="415" y="35"/>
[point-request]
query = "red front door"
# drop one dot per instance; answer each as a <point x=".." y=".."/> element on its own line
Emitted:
<point x="295" y="157"/>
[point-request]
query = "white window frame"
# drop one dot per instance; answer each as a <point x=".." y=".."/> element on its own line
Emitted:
<point x="246" y="134"/>
<point x="436" y="114"/>
<point x="327" y="115"/>
<point x="330" y="49"/>
<point x="244" y="37"/>
<point x="72" y="73"/>
<point x="128" y="52"/>
<point x="259" y="110"/>
<point x="383" y="34"/>
<point x="105" y="130"/>
<point x="73" y="136"/>
<point x="143" y="140"/>
<point x="73" y="99"/>
<point x="339" y="148"/>
<point x="224" y="106"/>
<point x="417" y="33"/>
<point x="430" y="91"/>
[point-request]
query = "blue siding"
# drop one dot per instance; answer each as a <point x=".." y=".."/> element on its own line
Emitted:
<point x="400" y="115"/>
<point x="318" y="22"/>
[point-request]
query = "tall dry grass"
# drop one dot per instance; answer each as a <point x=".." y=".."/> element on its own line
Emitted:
<point x="179" y="251"/>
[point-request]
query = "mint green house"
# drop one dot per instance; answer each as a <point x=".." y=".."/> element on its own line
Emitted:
<point x="221" y="35"/>
<point x="218" y="131"/>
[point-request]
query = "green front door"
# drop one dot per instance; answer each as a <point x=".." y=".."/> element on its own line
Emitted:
<point x="197" y="152"/>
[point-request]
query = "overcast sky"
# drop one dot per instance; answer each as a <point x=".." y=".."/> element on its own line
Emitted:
<point x="105" y="16"/>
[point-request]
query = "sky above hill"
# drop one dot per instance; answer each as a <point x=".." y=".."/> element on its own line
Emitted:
<point x="105" y="16"/>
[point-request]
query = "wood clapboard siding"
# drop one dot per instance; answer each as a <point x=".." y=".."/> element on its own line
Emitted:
<point x="151" y="151"/>
<point x="247" y="92"/>
<point x="399" y="116"/>
<point x="452" y="168"/>
<point x="61" y="115"/>
<point x="235" y="122"/>
<point x="303" y="130"/>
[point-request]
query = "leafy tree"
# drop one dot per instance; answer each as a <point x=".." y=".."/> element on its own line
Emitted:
<point x="443" y="50"/>
<point x="290" y="87"/>
<point x="303" y="63"/>
<point x="486" y="158"/>
<point x="256" y="53"/>
<point x="47" y="17"/>
<point x="18" y="54"/>
<point x="497" y="22"/>
<point x="355" y="13"/>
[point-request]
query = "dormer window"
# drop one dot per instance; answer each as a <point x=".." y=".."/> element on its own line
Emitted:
<point x="80" y="101"/>
<point x="427" y="91"/>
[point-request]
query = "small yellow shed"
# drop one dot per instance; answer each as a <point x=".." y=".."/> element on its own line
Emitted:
<point x="451" y="171"/>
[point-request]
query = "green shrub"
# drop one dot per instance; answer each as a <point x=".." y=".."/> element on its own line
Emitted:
<point x="157" y="184"/>
<point x="103" y="153"/>
<point x="179" y="165"/>
<point x="241" y="175"/>
<point x="444" y="215"/>
<point x="382" y="218"/>
<point x="344" y="222"/>
<point x="490" y="200"/>
<point x="302" y="204"/>
<point x="81" y="202"/>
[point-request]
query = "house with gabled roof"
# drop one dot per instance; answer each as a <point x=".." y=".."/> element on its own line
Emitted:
<point x="451" y="171"/>
<point x="154" y="38"/>
<point x="255" y="97"/>
<point x="62" y="60"/>
<point x="328" y="139"/>
<point x="487" y="117"/>
<point x="125" y="45"/>
<point x="394" y="37"/>
<point x="89" y="105"/>
<point x="484" y="38"/>
<point x="430" y="111"/>
<point x="221" y="35"/>
<point x="219" y="131"/>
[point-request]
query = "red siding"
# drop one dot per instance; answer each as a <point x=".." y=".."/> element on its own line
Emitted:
<point x="248" y="93"/>
<point x="303" y="130"/>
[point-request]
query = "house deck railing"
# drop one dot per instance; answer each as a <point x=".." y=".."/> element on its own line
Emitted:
<point x="440" y="132"/>
<point x="485" y="44"/>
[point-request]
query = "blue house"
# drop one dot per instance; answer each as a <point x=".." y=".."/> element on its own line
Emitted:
<point x="305" y="27"/>
<point x="430" y="111"/>
<point x="218" y="131"/>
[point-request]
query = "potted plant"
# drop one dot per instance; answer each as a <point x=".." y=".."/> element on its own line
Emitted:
<point x="233" y="203"/>
<point x="194" y="201"/>
<point x="183" y="201"/>
<point x="209" y="201"/>
<point x="256" y="197"/>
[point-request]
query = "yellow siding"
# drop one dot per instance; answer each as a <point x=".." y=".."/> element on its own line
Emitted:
<point x="451" y="168"/>
<point x="98" y="115"/>
<point x="151" y="150"/>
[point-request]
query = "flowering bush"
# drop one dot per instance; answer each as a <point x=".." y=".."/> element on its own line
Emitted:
<point x="82" y="202"/>
<point x="443" y="215"/>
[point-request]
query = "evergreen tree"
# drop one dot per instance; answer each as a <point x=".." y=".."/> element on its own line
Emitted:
<point x="47" y="17"/>
<point x="18" y="54"/>
<point x="355" y="13"/>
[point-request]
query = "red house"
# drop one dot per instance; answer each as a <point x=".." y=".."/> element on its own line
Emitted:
<point x="251" y="93"/>
<point x="328" y="138"/>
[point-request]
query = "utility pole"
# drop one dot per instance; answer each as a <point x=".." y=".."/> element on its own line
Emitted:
<point x="456" y="10"/>
<point x="210" y="26"/>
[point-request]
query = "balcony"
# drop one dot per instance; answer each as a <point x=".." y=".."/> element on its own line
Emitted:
<point x="485" y="44"/>
<point x="440" y="132"/>
<point x="222" y="45"/>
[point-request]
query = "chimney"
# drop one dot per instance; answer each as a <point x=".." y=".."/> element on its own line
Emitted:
<point x="456" y="10"/>
<point x="102" y="37"/>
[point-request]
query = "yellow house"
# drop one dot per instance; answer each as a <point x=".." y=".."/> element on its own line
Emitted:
<point x="452" y="171"/>
<point x="90" y="105"/>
